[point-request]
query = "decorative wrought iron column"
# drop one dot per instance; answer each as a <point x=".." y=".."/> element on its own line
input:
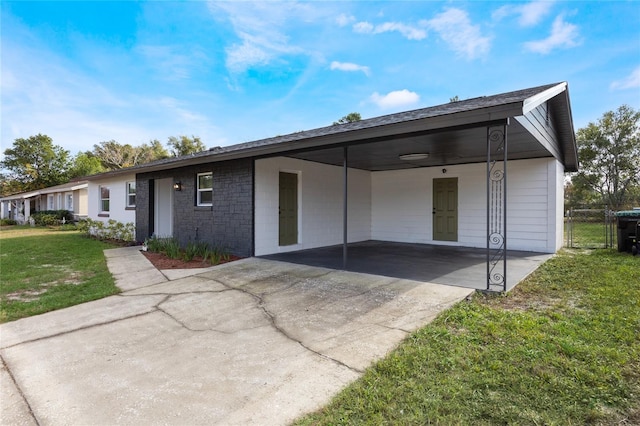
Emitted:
<point x="497" y="207"/>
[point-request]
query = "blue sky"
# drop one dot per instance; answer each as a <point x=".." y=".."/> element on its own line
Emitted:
<point x="86" y="72"/>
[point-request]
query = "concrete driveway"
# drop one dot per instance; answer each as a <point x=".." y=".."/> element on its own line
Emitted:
<point x="251" y="342"/>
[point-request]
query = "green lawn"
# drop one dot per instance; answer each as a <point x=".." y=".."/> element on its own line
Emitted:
<point x="590" y="235"/>
<point x="563" y="348"/>
<point x="43" y="269"/>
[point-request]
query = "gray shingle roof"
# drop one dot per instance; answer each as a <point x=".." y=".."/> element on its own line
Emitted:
<point x="468" y="105"/>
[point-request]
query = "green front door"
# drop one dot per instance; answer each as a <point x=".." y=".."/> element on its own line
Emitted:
<point x="288" y="214"/>
<point x="445" y="209"/>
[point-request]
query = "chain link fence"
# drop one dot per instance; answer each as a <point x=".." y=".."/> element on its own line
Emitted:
<point x="591" y="228"/>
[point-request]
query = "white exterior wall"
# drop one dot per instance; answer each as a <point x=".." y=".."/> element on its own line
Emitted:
<point x="320" y="204"/>
<point x="117" y="199"/>
<point x="402" y="204"/>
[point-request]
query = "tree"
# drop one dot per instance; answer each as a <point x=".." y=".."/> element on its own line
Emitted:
<point x="349" y="118"/>
<point x="85" y="164"/>
<point x="609" y="151"/>
<point x="114" y="156"/>
<point x="454" y="99"/>
<point x="35" y="162"/>
<point x="185" y="145"/>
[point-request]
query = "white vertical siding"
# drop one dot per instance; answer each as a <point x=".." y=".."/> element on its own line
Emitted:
<point x="320" y="201"/>
<point x="117" y="199"/>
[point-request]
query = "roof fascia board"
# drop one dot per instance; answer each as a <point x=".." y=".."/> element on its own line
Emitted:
<point x="536" y="100"/>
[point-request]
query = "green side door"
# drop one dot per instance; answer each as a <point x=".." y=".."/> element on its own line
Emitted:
<point x="445" y="209"/>
<point x="288" y="209"/>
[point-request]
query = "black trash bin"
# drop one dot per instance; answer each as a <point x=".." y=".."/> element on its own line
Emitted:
<point x="627" y="229"/>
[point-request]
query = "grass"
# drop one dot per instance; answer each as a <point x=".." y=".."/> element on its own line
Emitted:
<point x="589" y="234"/>
<point x="43" y="269"/>
<point x="563" y="348"/>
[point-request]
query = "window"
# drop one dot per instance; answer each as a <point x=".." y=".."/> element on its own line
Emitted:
<point x="131" y="194"/>
<point x="104" y="199"/>
<point x="50" y="205"/>
<point x="205" y="189"/>
<point x="69" y="201"/>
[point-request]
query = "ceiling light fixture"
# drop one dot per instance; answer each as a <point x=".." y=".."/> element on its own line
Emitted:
<point x="414" y="157"/>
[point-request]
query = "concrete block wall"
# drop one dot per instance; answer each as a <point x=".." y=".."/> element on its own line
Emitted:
<point x="227" y="224"/>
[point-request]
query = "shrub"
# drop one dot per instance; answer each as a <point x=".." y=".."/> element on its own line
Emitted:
<point x="51" y="217"/>
<point x="8" y="222"/>
<point x="170" y="247"/>
<point x="112" y="230"/>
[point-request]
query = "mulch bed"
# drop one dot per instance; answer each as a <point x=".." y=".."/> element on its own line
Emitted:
<point x="161" y="261"/>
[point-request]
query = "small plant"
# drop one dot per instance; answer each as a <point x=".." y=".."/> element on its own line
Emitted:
<point x="218" y="255"/>
<point x="172" y="248"/>
<point x="195" y="249"/>
<point x="165" y="245"/>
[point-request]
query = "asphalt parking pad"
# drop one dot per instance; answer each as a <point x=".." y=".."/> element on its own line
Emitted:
<point x="250" y="342"/>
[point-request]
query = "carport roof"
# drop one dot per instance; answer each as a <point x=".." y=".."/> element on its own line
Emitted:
<point x="452" y="133"/>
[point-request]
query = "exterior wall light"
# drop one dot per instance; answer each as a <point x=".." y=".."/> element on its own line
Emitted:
<point x="414" y="157"/>
<point x="177" y="186"/>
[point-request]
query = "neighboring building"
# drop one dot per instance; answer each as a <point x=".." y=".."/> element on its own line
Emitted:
<point x="70" y="196"/>
<point x="467" y="173"/>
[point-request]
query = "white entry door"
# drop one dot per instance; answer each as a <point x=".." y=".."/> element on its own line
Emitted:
<point x="163" y="208"/>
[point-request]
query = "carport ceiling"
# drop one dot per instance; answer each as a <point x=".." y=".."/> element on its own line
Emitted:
<point x="444" y="148"/>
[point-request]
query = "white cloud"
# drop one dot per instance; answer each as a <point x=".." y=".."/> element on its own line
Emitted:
<point x="363" y="27"/>
<point x="408" y="31"/>
<point x="395" y="99"/>
<point x="563" y="35"/>
<point x="171" y="62"/>
<point x="530" y="14"/>
<point x="44" y="93"/>
<point x="456" y="29"/>
<point x="261" y="29"/>
<point x="632" y="81"/>
<point x="343" y="20"/>
<point x="349" y="67"/>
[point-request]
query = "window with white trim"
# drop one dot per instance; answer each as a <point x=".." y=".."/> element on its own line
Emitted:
<point x="105" y="194"/>
<point x="204" y="189"/>
<point x="131" y="194"/>
<point x="50" y="205"/>
<point x="69" y="201"/>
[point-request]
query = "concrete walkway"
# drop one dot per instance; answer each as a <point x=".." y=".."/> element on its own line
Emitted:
<point x="250" y="342"/>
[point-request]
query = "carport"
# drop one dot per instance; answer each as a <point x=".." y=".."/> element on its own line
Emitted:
<point x="490" y="131"/>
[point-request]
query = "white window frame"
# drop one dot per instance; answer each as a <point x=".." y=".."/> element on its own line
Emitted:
<point x="68" y="198"/>
<point x="200" y="191"/>
<point x="130" y="194"/>
<point x="50" y="202"/>
<point x="102" y="200"/>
